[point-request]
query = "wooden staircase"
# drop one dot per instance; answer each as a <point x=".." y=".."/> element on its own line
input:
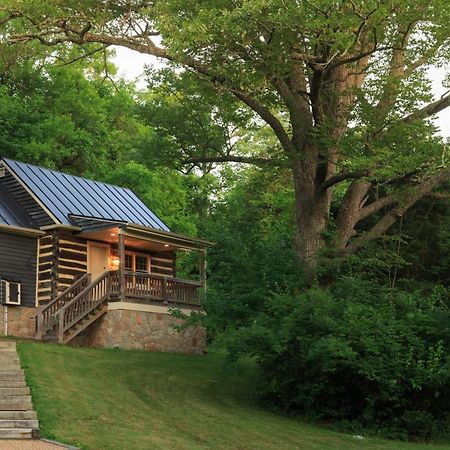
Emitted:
<point x="74" y="310"/>
<point x="17" y="418"/>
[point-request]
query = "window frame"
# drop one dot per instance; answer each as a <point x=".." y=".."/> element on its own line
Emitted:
<point x="133" y="255"/>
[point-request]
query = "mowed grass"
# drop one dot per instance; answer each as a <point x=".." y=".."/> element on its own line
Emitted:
<point x="113" y="399"/>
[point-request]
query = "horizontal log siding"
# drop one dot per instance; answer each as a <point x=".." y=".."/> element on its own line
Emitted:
<point x="62" y="260"/>
<point x="18" y="261"/>
<point x="48" y="251"/>
<point x="163" y="264"/>
<point x="72" y="260"/>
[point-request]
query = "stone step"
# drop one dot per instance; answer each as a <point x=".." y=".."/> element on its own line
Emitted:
<point x="13" y="391"/>
<point x="14" y="399"/>
<point x="26" y="406"/>
<point x="19" y="423"/>
<point x="18" y="415"/>
<point x="16" y="433"/>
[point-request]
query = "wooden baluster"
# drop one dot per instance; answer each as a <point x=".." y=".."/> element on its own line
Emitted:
<point x="164" y="291"/>
<point x="61" y="328"/>
<point x="121" y="246"/>
<point x="40" y="324"/>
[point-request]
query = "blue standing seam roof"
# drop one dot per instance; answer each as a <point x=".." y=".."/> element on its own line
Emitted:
<point x="6" y="218"/>
<point x="65" y="195"/>
<point x="11" y="213"/>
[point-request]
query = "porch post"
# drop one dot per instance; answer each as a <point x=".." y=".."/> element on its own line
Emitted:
<point x="121" y="248"/>
<point x="202" y="267"/>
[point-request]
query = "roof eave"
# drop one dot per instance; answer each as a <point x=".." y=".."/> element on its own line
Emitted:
<point x="21" y="230"/>
<point x="166" y="237"/>
<point x="60" y="226"/>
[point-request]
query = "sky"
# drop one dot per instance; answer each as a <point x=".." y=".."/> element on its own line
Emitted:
<point x="131" y="66"/>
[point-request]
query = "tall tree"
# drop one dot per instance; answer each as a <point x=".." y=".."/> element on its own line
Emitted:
<point x="342" y="85"/>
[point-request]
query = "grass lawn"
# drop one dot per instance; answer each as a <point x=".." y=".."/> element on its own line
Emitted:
<point x="113" y="399"/>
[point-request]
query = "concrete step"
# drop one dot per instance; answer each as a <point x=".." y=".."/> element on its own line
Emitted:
<point x="16" y="433"/>
<point x="9" y="370"/>
<point x="14" y="399"/>
<point x="26" y="406"/>
<point x="12" y="357"/>
<point x="18" y="415"/>
<point x="5" y="365"/>
<point x="19" y="423"/>
<point x="13" y="391"/>
<point x="7" y="350"/>
<point x="7" y="344"/>
<point x="13" y="384"/>
<point x="12" y="376"/>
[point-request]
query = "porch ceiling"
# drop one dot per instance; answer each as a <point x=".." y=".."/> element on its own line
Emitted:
<point x="142" y="238"/>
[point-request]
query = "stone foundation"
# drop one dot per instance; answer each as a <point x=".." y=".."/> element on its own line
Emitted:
<point x="20" y="321"/>
<point x="145" y="327"/>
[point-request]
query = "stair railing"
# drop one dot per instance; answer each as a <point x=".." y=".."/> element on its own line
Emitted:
<point x="45" y="315"/>
<point x="85" y="302"/>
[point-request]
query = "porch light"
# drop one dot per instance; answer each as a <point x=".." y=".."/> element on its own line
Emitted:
<point x="166" y="245"/>
<point x="115" y="262"/>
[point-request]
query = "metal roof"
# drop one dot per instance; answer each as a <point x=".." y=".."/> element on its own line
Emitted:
<point x="11" y="213"/>
<point x="64" y="195"/>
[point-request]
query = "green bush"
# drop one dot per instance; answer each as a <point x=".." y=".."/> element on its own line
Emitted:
<point x="359" y="354"/>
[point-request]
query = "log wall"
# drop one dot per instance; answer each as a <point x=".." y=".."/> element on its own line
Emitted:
<point x="62" y="260"/>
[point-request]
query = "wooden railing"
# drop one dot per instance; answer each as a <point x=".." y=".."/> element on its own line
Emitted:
<point x="85" y="302"/>
<point x="148" y="286"/>
<point x="45" y="316"/>
<point x="82" y="297"/>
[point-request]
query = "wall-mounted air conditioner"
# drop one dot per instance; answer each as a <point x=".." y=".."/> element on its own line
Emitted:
<point x="10" y="292"/>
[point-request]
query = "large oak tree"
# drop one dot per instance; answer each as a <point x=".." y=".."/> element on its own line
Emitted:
<point x="343" y="85"/>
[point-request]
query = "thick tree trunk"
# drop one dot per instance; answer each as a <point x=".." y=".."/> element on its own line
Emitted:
<point x="311" y="212"/>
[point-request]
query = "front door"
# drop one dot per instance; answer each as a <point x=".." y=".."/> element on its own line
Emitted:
<point x="98" y="260"/>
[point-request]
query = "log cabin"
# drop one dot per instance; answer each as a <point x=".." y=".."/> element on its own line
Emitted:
<point x="88" y="263"/>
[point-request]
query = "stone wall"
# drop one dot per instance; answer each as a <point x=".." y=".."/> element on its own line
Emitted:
<point x="125" y="326"/>
<point x="20" y="321"/>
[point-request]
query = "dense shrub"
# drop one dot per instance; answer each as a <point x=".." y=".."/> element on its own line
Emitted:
<point x="359" y="354"/>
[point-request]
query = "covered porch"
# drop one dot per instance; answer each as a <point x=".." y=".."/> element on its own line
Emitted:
<point x="140" y="263"/>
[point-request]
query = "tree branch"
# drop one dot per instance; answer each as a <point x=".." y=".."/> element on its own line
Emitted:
<point x="405" y="202"/>
<point x="376" y="205"/>
<point x="234" y="158"/>
<point x="268" y="117"/>
<point x="338" y="178"/>
<point x="439" y="195"/>
<point x="428" y="110"/>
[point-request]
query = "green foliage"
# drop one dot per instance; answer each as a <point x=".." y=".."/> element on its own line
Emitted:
<point x="254" y="254"/>
<point x="190" y="120"/>
<point x="358" y="354"/>
<point x="61" y="119"/>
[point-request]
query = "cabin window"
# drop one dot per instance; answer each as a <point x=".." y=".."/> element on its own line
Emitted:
<point x="137" y="262"/>
<point x="141" y="263"/>
<point x="129" y="262"/>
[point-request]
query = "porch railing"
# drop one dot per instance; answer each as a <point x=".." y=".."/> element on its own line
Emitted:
<point x="46" y="314"/>
<point x="97" y="293"/>
<point x="158" y="288"/>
